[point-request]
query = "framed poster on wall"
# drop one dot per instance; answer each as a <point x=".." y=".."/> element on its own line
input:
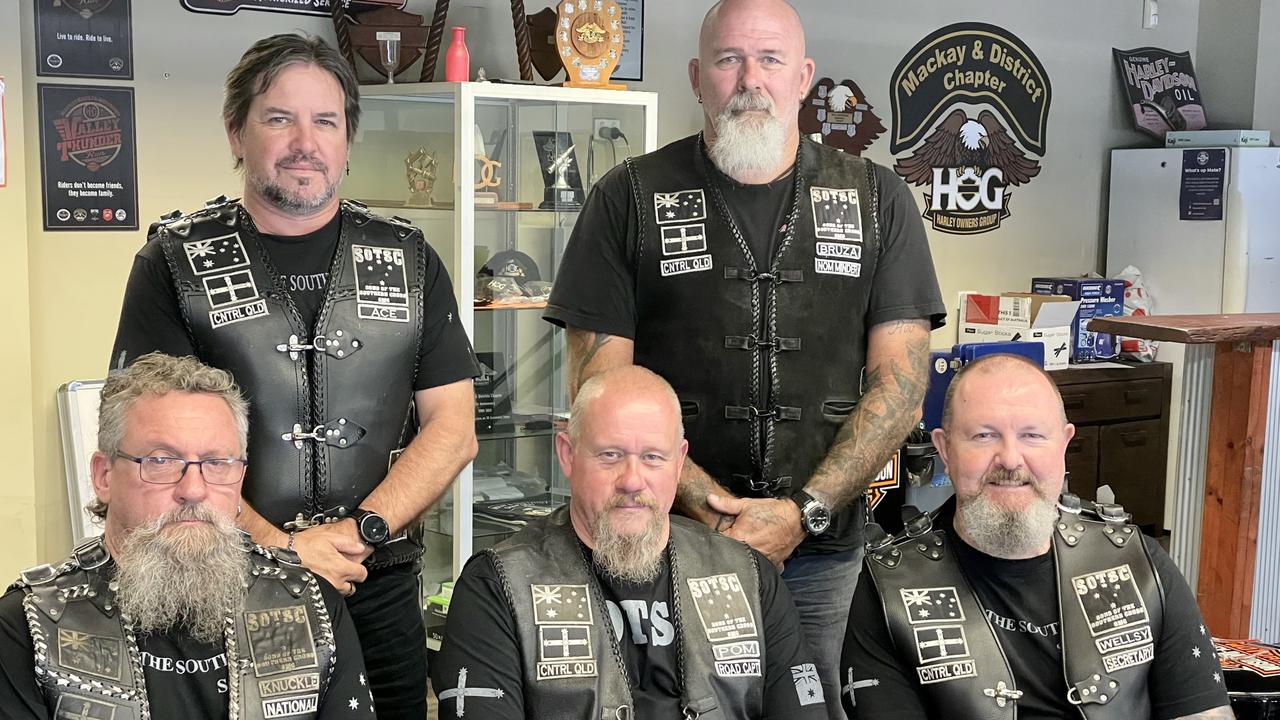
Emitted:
<point x="631" y="63"/>
<point x="84" y="38"/>
<point x="88" y="157"/>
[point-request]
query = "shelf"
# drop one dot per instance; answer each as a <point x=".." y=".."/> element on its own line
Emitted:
<point x="399" y="206"/>
<point x="511" y="306"/>
<point x="515" y="433"/>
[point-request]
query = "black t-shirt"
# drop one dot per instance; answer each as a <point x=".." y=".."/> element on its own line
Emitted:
<point x="150" y="318"/>
<point x="596" y="282"/>
<point x="1020" y="600"/>
<point x="186" y="680"/>
<point x="481" y="637"/>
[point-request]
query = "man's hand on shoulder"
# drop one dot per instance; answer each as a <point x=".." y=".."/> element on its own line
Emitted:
<point x="335" y="553"/>
<point x="771" y="526"/>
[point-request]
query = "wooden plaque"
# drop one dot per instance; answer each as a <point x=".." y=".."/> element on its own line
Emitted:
<point x="589" y="40"/>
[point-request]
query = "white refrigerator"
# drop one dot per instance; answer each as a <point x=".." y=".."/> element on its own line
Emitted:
<point x="1231" y="265"/>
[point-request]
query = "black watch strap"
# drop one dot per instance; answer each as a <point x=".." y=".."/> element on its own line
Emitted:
<point x="371" y="526"/>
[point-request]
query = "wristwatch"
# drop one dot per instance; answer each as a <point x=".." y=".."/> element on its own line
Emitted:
<point x="815" y="515"/>
<point x="372" y="528"/>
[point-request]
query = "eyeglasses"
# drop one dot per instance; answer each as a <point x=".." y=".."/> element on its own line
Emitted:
<point x="164" y="470"/>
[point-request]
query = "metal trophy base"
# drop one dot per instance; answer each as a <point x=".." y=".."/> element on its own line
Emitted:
<point x="554" y="198"/>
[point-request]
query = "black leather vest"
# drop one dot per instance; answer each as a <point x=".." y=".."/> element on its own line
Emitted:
<point x="1106" y="649"/>
<point x="88" y="663"/>
<point x="766" y="354"/>
<point x="329" y="404"/>
<point x="574" y="663"/>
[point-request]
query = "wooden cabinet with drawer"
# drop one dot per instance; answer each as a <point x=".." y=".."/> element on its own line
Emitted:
<point x="1122" y="434"/>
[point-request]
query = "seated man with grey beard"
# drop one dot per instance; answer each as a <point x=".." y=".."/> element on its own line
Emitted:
<point x="1015" y="600"/>
<point x="610" y="607"/>
<point x="173" y="612"/>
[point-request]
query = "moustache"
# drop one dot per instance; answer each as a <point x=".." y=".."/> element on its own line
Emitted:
<point x="311" y="163"/>
<point x="1005" y="476"/>
<point x="745" y="101"/>
<point x="184" y="513"/>
<point x="635" y="499"/>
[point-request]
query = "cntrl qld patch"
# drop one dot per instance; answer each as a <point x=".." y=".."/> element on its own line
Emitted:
<point x="280" y="639"/>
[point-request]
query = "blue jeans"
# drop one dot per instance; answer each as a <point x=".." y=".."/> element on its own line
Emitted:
<point x="387" y="613"/>
<point x="822" y="588"/>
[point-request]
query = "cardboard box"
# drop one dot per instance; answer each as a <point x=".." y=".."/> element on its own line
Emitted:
<point x="1025" y="317"/>
<point x="1217" y="138"/>
<point x="1098" y="298"/>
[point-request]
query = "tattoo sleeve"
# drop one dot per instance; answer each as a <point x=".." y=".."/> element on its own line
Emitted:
<point x="897" y="374"/>
<point x="691" y="494"/>
<point x="591" y="353"/>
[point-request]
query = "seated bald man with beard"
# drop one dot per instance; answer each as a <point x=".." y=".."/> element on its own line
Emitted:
<point x="610" y="607"/>
<point x="173" y="612"/>
<point x="982" y="609"/>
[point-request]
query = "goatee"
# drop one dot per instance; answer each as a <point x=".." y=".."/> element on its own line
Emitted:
<point x="291" y="201"/>
<point x="180" y="577"/>
<point x="747" y="144"/>
<point x="634" y="557"/>
<point x="1005" y="532"/>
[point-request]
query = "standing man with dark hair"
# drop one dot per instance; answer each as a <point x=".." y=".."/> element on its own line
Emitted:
<point x="1015" y="601"/>
<point x="173" y="613"/>
<point x="342" y="328"/>
<point x="785" y="290"/>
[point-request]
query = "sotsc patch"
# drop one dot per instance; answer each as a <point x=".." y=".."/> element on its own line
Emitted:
<point x="1129" y="658"/>
<point x="382" y="292"/>
<point x="93" y="654"/>
<point x="679" y="207"/>
<point x="75" y="707"/>
<point x="1110" y="600"/>
<point x="946" y="672"/>
<point x="748" y="667"/>
<point x="684" y="239"/>
<point x="722" y="607"/>
<point x="733" y="651"/>
<point x="1125" y="639"/>
<point x="808" y="686"/>
<point x="216" y="255"/>
<point x="932" y="605"/>
<point x="296" y="705"/>
<point x="565" y="651"/>
<point x="836" y="214"/>
<point x="940" y="643"/>
<point x="280" y="640"/>
<point x="561" y="605"/>
<point x="827" y="266"/>
<point x="302" y="682"/>
<point x="680" y="266"/>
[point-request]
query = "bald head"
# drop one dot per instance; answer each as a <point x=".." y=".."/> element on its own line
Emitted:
<point x="1013" y="366"/>
<point x="777" y="14"/>
<point x="631" y="381"/>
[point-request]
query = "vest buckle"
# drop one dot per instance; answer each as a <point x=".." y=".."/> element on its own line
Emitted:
<point x="338" y="344"/>
<point x="1002" y="693"/>
<point x="294" y="347"/>
<point x="335" y="433"/>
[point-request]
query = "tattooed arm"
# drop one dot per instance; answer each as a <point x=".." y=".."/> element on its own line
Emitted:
<point x="591" y="353"/>
<point x="897" y="372"/>
<point x="1218" y="713"/>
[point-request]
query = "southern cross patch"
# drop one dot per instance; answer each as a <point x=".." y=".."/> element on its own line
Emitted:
<point x="683" y="206"/>
<point x="382" y="291"/>
<point x="561" y="605"/>
<point x="808" y="686"/>
<point x="929" y="605"/>
<point x="836" y="214"/>
<point x="215" y="255"/>
<point x="230" y="289"/>
<point x="94" y="654"/>
<point x="1110" y="600"/>
<point x="940" y="643"/>
<point x="565" y="651"/>
<point x="722" y="607"/>
<point x="683" y="239"/>
<point x="75" y="707"/>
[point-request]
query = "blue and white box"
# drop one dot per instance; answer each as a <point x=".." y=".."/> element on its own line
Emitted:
<point x="1098" y="298"/>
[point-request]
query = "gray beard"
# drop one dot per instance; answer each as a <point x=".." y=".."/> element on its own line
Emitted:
<point x="183" y="578"/>
<point x="288" y="201"/>
<point x="746" y="145"/>
<point x="1004" y="533"/>
<point x="631" y="558"/>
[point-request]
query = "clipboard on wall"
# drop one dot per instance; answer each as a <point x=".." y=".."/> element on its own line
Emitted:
<point x="78" y="422"/>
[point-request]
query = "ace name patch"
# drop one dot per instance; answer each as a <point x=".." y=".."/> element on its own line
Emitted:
<point x="836" y="214"/>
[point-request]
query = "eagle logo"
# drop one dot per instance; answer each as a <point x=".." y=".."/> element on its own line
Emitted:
<point x="841" y="114"/>
<point x="970" y="164"/>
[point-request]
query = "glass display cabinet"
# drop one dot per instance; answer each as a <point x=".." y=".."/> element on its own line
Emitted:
<point x="494" y="175"/>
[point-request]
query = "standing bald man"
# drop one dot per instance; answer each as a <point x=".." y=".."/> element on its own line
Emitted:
<point x="784" y="289"/>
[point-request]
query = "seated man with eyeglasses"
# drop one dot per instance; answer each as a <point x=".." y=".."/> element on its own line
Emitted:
<point x="173" y="612"/>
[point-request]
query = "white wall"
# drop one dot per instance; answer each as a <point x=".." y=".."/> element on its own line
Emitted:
<point x="1226" y="62"/>
<point x="1266" y="104"/>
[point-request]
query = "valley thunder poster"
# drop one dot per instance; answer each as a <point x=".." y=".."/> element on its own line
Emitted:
<point x="970" y="117"/>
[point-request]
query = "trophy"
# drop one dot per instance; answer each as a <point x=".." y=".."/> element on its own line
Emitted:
<point x="589" y="40"/>
<point x="486" y="174"/>
<point x="420" y="173"/>
<point x="559" y="171"/>
<point x="389" y="53"/>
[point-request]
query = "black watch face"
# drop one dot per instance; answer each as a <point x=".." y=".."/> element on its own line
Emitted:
<point x="373" y="529"/>
<point x="818" y="518"/>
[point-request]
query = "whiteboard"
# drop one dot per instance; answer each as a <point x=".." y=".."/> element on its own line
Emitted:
<point x="78" y="420"/>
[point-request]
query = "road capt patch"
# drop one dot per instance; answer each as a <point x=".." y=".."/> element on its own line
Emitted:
<point x="722" y="607"/>
<point x="970" y="101"/>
